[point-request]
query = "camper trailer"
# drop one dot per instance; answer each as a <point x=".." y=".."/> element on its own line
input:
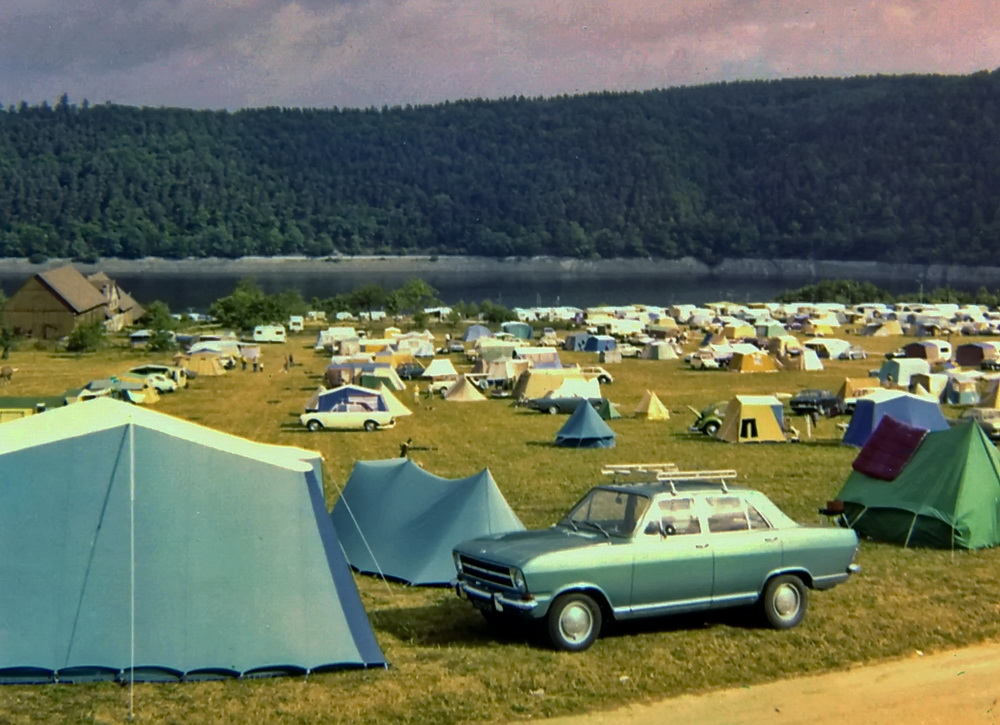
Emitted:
<point x="269" y="333"/>
<point x="296" y="323"/>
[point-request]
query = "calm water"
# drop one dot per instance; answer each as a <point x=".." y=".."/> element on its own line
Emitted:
<point x="197" y="292"/>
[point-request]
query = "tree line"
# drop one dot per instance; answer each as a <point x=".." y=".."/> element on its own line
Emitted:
<point x="883" y="168"/>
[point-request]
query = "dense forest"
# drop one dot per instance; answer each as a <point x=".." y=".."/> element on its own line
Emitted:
<point x="871" y="168"/>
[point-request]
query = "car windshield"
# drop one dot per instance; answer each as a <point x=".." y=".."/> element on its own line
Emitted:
<point x="614" y="513"/>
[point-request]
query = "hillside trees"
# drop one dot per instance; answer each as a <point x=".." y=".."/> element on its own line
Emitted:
<point x="885" y="168"/>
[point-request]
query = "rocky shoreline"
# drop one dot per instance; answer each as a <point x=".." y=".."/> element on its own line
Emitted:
<point x="927" y="276"/>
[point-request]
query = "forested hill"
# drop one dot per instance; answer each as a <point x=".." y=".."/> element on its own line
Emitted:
<point x="885" y="168"/>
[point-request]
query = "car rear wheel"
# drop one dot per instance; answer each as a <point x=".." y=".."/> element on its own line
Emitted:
<point x="711" y="429"/>
<point x="552" y="410"/>
<point x="604" y="380"/>
<point x="574" y="622"/>
<point x="314" y="425"/>
<point x="370" y="425"/>
<point x="784" y="601"/>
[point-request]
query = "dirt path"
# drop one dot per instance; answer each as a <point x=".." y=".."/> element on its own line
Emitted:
<point x="961" y="685"/>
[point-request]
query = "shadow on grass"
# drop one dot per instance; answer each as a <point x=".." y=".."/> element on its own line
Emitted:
<point x="457" y="623"/>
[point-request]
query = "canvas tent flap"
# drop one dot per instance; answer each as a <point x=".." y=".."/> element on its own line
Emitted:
<point x="889" y="449"/>
<point x="77" y="490"/>
<point x="397" y="519"/>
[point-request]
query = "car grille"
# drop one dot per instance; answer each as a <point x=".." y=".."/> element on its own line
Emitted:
<point x="486" y="572"/>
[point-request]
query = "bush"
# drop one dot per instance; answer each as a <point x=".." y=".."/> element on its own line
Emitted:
<point x="86" y="338"/>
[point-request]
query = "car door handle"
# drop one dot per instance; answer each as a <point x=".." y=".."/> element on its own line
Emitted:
<point x="772" y="539"/>
<point x="701" y="546"/>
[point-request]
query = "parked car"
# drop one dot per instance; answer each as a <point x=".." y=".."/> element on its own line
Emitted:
<point x="991" y="365"/>
<point x="158" y="381"/>
<point x="595" y="371"/>
<point x="626" y="551"/>
<point x="709" y="420"/>
<point x="895" y="353"/>
<point x="347" y="416"/>
<point x="410" y="370"/>
<point x="177" y="374"/>
<point x="821" y="401"/>
<point x="853" y="353"/>
<point x="627" y="349"/>
<point x="554" y="405"/>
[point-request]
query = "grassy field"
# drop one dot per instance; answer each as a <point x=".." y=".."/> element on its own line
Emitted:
<point x="446" y="665"/>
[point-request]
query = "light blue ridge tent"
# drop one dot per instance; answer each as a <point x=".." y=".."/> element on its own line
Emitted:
<point x="396" y="519"/>
<point x="140" y="546"/>
<point x="474" y="332"/>
<point x="585" y="429"/>
<point x="520" y="330"/>
<point x="905" y="407"/>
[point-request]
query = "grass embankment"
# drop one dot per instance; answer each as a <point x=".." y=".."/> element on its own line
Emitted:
<point x="447" y="666"/>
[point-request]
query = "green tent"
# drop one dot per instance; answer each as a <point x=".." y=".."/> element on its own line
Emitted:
<point x="946" y="495"/>
<point x="608" y="410"/>
<point x="138" y="545"/>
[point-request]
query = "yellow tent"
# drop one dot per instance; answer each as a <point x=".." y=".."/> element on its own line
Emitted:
<point x="393" y="403"/>
<point x="753" y="419"/>
<point x="651" y="408"/>
<point x="884" y="329"/>
<point x="753" y="362"/>
<point x="201" y="363"/>
<point x="463" y="391"/>
<point x="536" y="383"/>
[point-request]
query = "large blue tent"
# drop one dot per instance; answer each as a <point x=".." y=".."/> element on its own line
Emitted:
<point x="585" y="429"/>
<point x="141" y="546"/>
<point x="396" y="519"/>
<point x="905" y="407"/>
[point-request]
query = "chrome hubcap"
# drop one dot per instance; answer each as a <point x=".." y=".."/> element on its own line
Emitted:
<point x="786" y="601"/>
<point x="576" y="622"/>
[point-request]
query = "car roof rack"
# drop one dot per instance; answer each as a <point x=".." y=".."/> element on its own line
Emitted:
<point x="719" y="476"/>
<point x="635" y="469"/>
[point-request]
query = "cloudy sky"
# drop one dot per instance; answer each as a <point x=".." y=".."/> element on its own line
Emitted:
<point x="357" y="53"/>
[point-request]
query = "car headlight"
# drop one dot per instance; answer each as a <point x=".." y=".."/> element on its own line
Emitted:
<point x="458" y="561"/>
<point x="518" y="579"/>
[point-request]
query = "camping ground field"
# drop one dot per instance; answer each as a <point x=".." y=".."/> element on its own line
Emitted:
<point x="447" y="666"/>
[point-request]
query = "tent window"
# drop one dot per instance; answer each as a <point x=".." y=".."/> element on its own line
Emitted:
<point x="748" y="428"/>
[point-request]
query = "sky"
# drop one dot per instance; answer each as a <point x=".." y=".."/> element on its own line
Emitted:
<point x="231" y="54"/>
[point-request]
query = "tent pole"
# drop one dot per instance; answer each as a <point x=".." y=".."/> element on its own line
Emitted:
<point x="131" y="501"/>
<point x="909" y="533"/>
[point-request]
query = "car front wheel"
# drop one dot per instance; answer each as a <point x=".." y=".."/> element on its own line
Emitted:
<point x="552" y="410"/>
<point x="314" y="425"/>
<point x="574" y="622"/>
<point x="784" y="601"/>
<point x="711" y="429"/>
<point x="370" y="425"/>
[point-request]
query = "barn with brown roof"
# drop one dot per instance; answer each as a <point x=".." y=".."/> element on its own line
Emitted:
<point x="52" y="304"/>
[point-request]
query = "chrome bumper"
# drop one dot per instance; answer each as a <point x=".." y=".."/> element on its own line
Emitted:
<point x="498" y="601"/>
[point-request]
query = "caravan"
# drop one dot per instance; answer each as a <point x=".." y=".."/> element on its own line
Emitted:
<point x="269" y="333"/>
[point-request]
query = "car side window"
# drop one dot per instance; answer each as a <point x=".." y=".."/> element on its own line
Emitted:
<point x="727" y="513"/>
<point x="757" y="520"/>
<point x="680" y="514"/>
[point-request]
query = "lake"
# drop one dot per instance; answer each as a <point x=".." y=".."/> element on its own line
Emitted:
<point x="192" y="285"/>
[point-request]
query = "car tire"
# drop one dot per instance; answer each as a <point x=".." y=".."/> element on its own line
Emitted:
<point x="370" y="425"/>
<point x="574" y="622"/>
<point x="711" y="429"/>
<point x="314" y="426"/>
<point x="784" y="601"/>
<point x="604" y="380"/>
<point x="552" y="410"/>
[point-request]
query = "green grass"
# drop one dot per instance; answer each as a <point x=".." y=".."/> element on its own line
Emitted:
<point x="447" y="666"/>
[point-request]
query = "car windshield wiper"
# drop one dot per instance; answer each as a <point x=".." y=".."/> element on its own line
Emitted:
<point x="598" y="527"/>
<point x="568" y="521"/>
